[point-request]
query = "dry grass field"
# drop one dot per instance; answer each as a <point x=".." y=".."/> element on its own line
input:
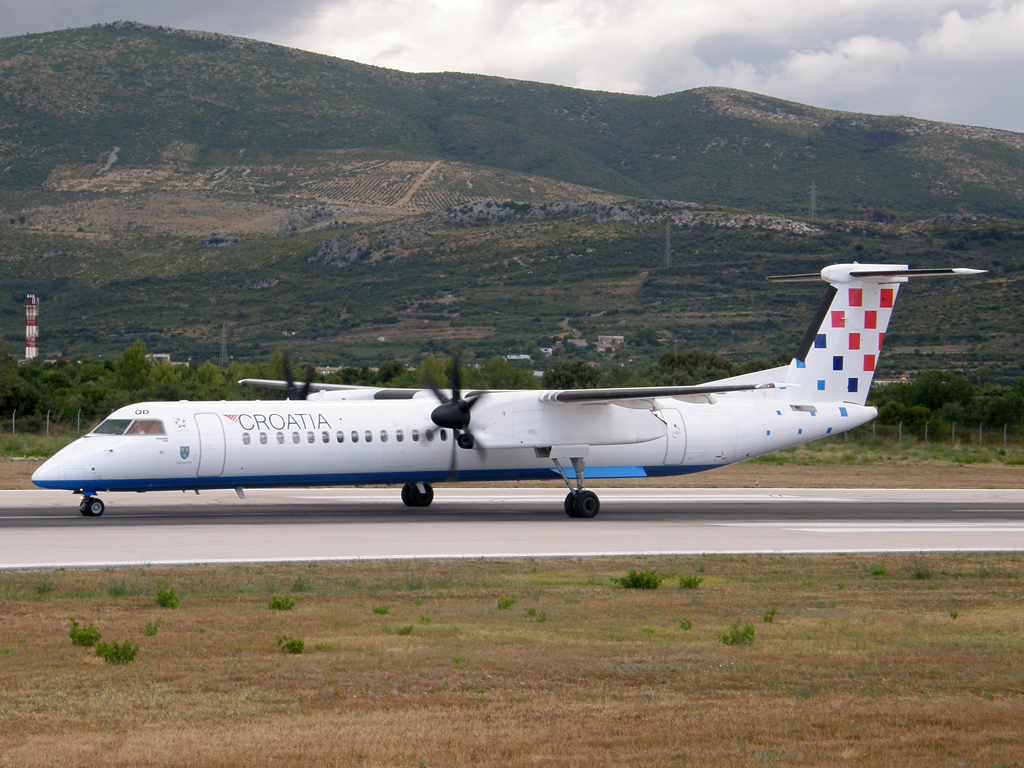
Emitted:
<point x="874" y="661"/>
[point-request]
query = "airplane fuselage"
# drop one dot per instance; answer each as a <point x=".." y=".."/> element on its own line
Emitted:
<point x="340" y="438"/>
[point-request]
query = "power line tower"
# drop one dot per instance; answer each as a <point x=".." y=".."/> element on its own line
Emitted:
<point x="223" y="362"/>
<point x="814" y="201"/>
<point x="668" y="243"/>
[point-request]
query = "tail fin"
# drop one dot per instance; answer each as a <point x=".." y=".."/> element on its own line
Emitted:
<point x="837" y="357"/>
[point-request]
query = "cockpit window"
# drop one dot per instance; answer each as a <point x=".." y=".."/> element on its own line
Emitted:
<point x="112" y="427"/>
<point x="146" y="427"/>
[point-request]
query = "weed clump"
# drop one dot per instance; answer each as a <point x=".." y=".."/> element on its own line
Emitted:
<point x="404" y="630"/>
<point x="86" y="637"/>
<point x="112" y="653"/>
<point x="167" y="598"/>
<point x="381" y="610"/>
<point x="686" y="625"/>
<point x="290" y="644"/>
<point x="642" y="580"/>
<point x="152" y="627"/>
<point x="690" y="582"/>
<point x="281" y="603"/>
<point x="505" y="602"/>
<point x="769" y="617"/>
<point x="737" y="636"/>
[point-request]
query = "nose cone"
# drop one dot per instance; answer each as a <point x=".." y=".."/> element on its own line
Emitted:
<point x="48" y="475"/>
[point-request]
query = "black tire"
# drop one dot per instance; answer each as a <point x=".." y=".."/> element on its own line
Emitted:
<point x="568" y="505"/>
<point x="407" y="495"/>
<point x="92" y="507"/>
<point x="425" y="498"/>
<point x="586" y="504"/>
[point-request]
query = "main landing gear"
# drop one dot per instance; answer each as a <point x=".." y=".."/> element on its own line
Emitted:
<point x="417" y="494"/>
<point x="579" y="503"/>
<point x="91" y="506"/>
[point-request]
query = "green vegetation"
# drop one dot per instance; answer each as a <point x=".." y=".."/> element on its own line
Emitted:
<point x="505" y="602"/>
<point x="690" y="582"/>
<point x="112" y="653"/>
<point x="281" y="603"/>
<point x="167" y="598"/>
<point x="83" y="636"/>
<point x="641" y="580"/>
<point x="381" y="610"/>
<point x="769" y="616"/>
<point x="290" y="644"/>
<point x="737" y="636"/>
<point x="152" y="627"/>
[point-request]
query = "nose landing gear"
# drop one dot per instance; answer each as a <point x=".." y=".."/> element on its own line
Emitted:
<point x="91" y="506"/>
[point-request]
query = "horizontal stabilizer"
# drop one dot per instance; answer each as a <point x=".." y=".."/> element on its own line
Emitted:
<point x="843" y="273"/>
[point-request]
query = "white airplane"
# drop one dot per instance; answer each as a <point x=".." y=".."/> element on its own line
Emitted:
<point x="326" y="435"/>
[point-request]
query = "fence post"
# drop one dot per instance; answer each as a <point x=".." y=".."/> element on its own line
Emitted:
<point x="926" y="431"/>
<point x="872" y="430"/>
<point x="954" y="433"/>
<point x="901" y="433"/>
<point x="78" y="428"/>
<point x="979" y="435"/>
<point x="1004" y="435"/>
<point x="15" y="413"/>
<point x="47" y="423"/>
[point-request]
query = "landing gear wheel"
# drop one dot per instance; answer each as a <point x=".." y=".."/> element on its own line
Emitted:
<point x="91" y="507"/>
<point x="586" y="504"/>
<point x="568" y="505"/>
<point x="412" y="497"/>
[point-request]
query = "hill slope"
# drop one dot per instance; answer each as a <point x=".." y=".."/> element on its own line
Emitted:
<point x="182" y="106"/>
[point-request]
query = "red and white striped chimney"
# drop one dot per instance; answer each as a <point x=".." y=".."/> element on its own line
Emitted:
<point x="31" y="326"/>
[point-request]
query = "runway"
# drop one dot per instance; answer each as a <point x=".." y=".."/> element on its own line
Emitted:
<point x="42" y="529"/>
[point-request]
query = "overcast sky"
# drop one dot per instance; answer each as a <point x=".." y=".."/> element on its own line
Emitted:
<point x="960" y="61"/>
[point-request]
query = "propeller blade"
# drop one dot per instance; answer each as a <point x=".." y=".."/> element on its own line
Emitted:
<point x="291" y="392"/>
<point x="310" y="374"/>
<point x="441" y="396"/>
<point x="456" y="376"/>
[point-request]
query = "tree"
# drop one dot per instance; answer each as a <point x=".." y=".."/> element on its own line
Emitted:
<point x="133" y="370"/>
<point x="575" y="374"/>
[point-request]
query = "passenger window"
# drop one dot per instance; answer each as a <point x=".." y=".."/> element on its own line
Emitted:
<point x="430" y="435"/>
<point x="415" y="435"/>
<point x="245" y="438"/>
<point x="146" y="427"/>
<point x="263" y="438"/>
<point x="280" y="438"/>
<point x="355" y="436"/>
<point x="310" y="438"/>
<point x="444" y="434"/>
<point x="341" y="436"/>
<point x="326" y="437"/>
<point x="398" y="435"/>
<point x="295" y="437"/>
<point x="369" y="436"/>
<point x="383" y="435"/>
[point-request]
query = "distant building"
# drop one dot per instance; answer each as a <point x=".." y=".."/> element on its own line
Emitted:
<point x="577" y="342"/>
<point x="518" y="357"/>
<point x="548" y="351"/>
<point x="163" y="357"/>
<point x="611" y="339"/>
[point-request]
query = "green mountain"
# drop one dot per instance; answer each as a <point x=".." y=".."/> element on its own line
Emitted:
<point x="160" y="185"/>
<point x="173" y="101"/>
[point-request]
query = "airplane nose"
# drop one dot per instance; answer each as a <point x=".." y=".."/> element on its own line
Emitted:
<point x="49" y="472"/>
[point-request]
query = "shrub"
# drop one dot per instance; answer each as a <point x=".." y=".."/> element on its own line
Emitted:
<point x="542" y="617"/>
<point x="953" y="615"/>
<point x="770" y="616"/>
<point x="112" y="653"/>
<point x="281" y="603"/>
<point x="300" y="585"/>
<point x="642" y="580"/>
<point x="83" y="636"/>
<point x="505" y="602"/>
<point x="879" y="572"/>
<point x="152" y="627"/>
<point x="690" y="582"/>
<point x="167" y="598"/>
<point x="425" y="621"/>
<point x="381" y="610"/>
<point x="686" y="625"/>
<point x="290" y="644"/>
<point x="922" y="571"/>
<point x="531" y="612"/>
<point x="404" y="630"/>
<point x="737" y="636"/>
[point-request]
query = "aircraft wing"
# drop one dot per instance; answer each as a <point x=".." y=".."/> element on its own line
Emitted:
<point x="313" y="387"/>
<point x="647" y="393"/>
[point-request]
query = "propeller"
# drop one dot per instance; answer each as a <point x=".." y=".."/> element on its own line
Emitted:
<point x="294" y="392"/>
<point x="455" y="413"/>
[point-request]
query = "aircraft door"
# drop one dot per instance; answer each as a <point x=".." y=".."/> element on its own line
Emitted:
<point x="676" y="448"/>
<point x="212" y="445"/>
